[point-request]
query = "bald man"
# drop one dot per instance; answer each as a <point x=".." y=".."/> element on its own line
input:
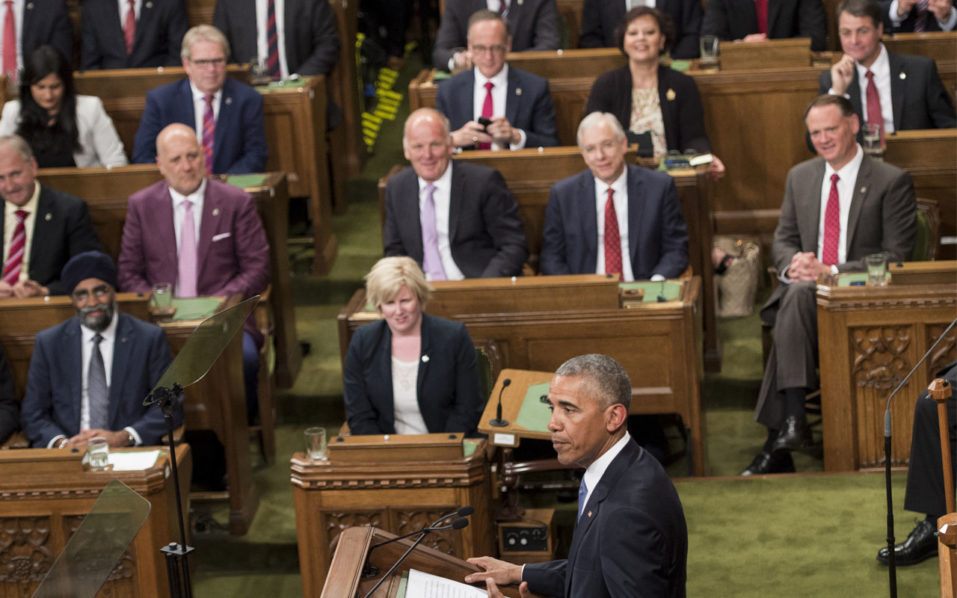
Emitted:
<point x="456" y="219"/>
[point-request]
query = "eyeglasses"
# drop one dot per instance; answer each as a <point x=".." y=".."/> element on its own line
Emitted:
<point x="487" y="49"/>
<point x="98" y="292"/>
<point x="206" y="62"/>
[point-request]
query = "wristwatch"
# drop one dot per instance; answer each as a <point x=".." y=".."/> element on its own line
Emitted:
<point x="130" y="441"/>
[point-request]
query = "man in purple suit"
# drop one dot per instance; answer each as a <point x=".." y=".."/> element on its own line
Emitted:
<point x="200" y="234"/>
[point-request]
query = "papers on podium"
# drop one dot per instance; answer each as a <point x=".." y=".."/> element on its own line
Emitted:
<point x="426" y="585"/>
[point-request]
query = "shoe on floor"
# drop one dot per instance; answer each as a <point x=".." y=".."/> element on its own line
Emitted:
<point x="795" y="435"/>
<point x="920" y="545"/>
<point x="764" y="463"/>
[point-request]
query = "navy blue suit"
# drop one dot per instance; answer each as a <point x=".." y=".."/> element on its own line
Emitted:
<point x="159" y="35"/>
<point x="447" y="385"/>
<point x="735" y="19"/>
<point x="9" y="404"/>
<point x="240" y="143"/>
<point x="631" y="539"/>
<point x="51" y="406"/>
<point x="657" y="235"/>
<point x="528" y="105"/>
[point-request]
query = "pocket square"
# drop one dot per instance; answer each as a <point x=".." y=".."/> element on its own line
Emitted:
<point x="221" y="236"/>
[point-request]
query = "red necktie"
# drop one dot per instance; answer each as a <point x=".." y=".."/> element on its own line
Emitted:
<point x="11" y="269"/>
<point x="832" y="224"/>
<point x="209" y="133"/>
<point x="487" y="110"/>
<point x="761" y="13"/>
<point x="612" y="237"/>
<point x="10" y="42"/>
<point x="874" y="114"/>
<point x="129" y="28"/>
<point x="272" y="41"/>
<point x="503" y="7"/>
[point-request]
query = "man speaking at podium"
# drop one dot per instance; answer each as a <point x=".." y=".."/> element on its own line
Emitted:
<point x="630" y="538"/>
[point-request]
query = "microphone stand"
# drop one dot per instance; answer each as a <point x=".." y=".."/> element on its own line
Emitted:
<point x="498" y="422"/>
<point x="891" y="556"/>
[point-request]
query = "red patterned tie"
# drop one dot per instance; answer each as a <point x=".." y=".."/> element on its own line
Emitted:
<point x="487" y="110"/>
<point x="10" y="42"/>
<point x="874" y="114"/>
<point x="832" y="224"/>
<point x="612" y="237"/>
<point x="209" y="133"/>
<point x="272" y="41"/>
<point x="11" y="269"/>
<point x="921" y="23"/>
<point x="761" y="13"/>
<point x="129" y="28"/>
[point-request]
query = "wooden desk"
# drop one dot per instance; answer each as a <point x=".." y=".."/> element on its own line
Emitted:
<point x="44" y="496"/>
<point x="511" y="434"/>
<point x="217" y="402"/>
<point x="398" y="488"/>
<point x="295" y="121"/>
<point x="868" y="340"/>
<point x="106" y="191"/>
<point x="527" y="327"/>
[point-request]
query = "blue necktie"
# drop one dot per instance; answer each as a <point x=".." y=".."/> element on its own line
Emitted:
<point x="582" y="495"/>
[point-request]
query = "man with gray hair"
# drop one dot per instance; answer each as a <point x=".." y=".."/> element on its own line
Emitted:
<point x="630" y="538"/>
<point x="456" y="219"/>
<point x="42" y="228"/>
<point x="613" y="218"/>
<point x="226" y="114"/>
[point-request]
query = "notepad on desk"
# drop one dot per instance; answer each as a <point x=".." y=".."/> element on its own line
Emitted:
<point x="419" y="584"/>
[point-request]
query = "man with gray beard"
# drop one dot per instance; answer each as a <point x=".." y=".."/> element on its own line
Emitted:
<point x="89" y="375"/>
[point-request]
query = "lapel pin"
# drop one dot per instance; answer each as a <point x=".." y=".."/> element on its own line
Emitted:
<point x="589" y="513"/>
<point x="149" y="5"/>
<point x="29" y="5"/>
<point x="229" y="101"/>
<point x="425" y="359"/>
<point x="903" y="76"/>
<point x="670" y="94"/>
<point x="518" y="91"/>
<point x="48" y="217"/>
<point x="215" y="211"/>
<point x="863" y="189"/>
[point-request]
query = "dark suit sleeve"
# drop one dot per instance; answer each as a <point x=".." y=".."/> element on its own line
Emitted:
<point x="448" y="38"/>
<point x="674" y="236"/>
<point x="325" y="42"/>
<point x="252" y="252"/>
<point x="251" y="121"/>
<point x="592" y="35"/>
<point x="547" y="579"/>
<point x="787" y="235"/>
<point x="543" y="131"/>
<point x="90" y="56"/>
<point x="469" y="404"/>
<point x="554" y="258"/>
<point x="37" y="414"/>
<point x="691" y="131"/>
<point x="81" y="236"/>
<point x="546" y="34"/>
<point x="898" y="222"/>
<point x="715" y="21"/>
<point x="151" y="426"/>
<point x="362" y="415"/>
<point x="500" y="214"/>
<point x="812" y="23"/>
<point x="634" y="554"/>
<point x="9" y="404"/>
<point x="151" y="123"/>
<point x="939" y="104"/>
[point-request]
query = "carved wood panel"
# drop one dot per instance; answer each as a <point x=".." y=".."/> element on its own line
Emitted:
<point x="25" y="553"/>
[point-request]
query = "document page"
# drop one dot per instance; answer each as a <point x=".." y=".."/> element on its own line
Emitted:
<point x="426" y="585"/>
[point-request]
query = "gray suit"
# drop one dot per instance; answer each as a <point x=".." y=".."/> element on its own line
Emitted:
<point x="882" y="218"/>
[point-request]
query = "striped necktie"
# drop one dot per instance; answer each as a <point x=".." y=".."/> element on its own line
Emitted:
<point x="14" y="263"/>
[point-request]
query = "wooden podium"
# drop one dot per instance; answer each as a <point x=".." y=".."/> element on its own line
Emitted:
<point x="353" y="552"/>
<point x="396" y="482"/>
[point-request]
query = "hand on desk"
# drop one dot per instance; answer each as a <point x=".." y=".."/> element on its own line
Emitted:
<point x="22" y="289"/>
<point x="716" y="168"/>
<point x="755" y="37"/>
<point x="114" y="439"/>
<point x="498" y="571"/>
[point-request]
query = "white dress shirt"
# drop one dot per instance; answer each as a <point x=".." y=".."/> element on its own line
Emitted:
<point x="499" y="97"/>
<point x="442" y="196"/>
<point x="405" y="398"/>
<point x="845" y="193"/>
<point x="262" y="40"/>
<point x="179" y="210"/>
<point x="620" y="199"/>
<point x="10" y="225"/>
<point x="947" y="25"/>
<point x="599" y="466"/>
<point x="199" y="108"/>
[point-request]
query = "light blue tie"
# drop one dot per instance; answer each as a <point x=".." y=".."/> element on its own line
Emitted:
<point x="582" y="495"/>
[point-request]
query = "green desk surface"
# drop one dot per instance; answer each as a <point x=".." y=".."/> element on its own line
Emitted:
<point x="244" y="181"/>
<point x="856" y="279"/>
<point x="534" y="414"/>
<point x="469" y="445"/>
<point x="287" y="84"/>
<point x="669" y="289"/>
<point x="195" y="308"/>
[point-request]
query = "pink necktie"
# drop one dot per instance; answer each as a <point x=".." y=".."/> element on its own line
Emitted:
<point x="487" y="110"/>
<point x="10" y="42"/>
<point x="431" y="260"/>
<point x="11" y="268"/>
<point x="186" y="286"/>
<point x="129" y="28"/>
<point x="874" y="114"/>
<point x="612" y="237"/>
<point x="209" y="133"/>
<point x="832" y="225"/>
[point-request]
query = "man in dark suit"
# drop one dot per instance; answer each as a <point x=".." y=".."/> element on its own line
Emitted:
<point x="35" y="23"/>
<point x="9" y="404"/>
<point x="223" y="253"/>
<point x="630" y="538"/>
<point x="42" y="228"/>
<point x="89" y="375"/>
<point x="227" y="114"/>
<point x="740" y="20"/>
<point x="532" y="24"/>
<point x="600" y="18"/>
<point x="516" y="102"/>
<point x="838" y="208"/>
<point x="906" y="90"/>
<point x="648" y="228"/>
<point x="904" y="16"/>
<point x="157" y="28"/>
<point x="457" y="220"/>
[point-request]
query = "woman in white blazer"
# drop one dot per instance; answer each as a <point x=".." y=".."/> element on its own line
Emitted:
<point x="62" y="128"/>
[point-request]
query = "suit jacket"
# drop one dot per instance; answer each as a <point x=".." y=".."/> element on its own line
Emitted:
<point x="447" y="386"/>
<point x="52" y="403"/>
<point x="240" y="142"/>
<point x="46" y="22"/>
<point x="9" y="403"/>
<point x="734" y="19"/>
<point x="485" y="231"/>
<point x="100" y="145"/>
<point x="311" y="35"/>
<point x="61" y="229"/>
<point x="157" y="41"/>
<point x="528" y="105"/>
<point x="631" y="539"/>
<point x="533" y="25"/>
<point x="907" y="25"/>
<point x="657" y="236"/>
<point x="678" y="96"/>
<point x="233" y="254"/>
<point x="918" y="97"/>
<point x="600" y="18"/>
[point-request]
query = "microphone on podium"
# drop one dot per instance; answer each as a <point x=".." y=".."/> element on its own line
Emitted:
<point x="498" y="422"/>
<point x="461" y="512"/>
